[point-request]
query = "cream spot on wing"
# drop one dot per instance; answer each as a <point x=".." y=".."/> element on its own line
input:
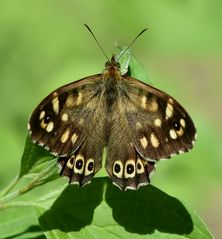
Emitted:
<point x="143" y="101"/>
<point x="153" y="106"/>
<point x="154" y="140"/>
<point x="74" y="138"/>
<point x="169" y="111"/>
<point x="157" y="122"/>
<point x="173" y="134"/>
<point x="29" y="127"/>
<point x="79" y="164"/>
<point x="55" y="105"/>
<point x="139" y="166"/>
<point x="69" y="164"/>
<point x="130" y="171"/>
<point x="42" y="115"/>
<point x="144" y="142"/>
<point x="43" y="125"/>
<point x="79" y="98"/>
<point x="180" y="132"/>
<point x="182" y="122"/>
<point x="118" y="169"/>
<point x="65" y="136"/>
<point x="70" y="101"/>
<point x="64" y="117"/>
<point x="50" y="126"/>
<point x="170" y="100"/>
<point x="54" y="94"/>
<point x="89" y="169"/>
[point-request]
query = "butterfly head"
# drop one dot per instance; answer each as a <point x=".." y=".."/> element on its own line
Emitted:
<point x="112" y="64"/>
<point x="112" y="69"/>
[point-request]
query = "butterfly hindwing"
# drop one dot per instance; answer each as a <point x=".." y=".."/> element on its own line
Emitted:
<point x="82" y="164"/>
<point x="125" y="166"/>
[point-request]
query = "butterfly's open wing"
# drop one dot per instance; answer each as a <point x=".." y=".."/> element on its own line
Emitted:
<point x="147" y="125"/>
<point x="160" y="125"/>
<point x="63" y="123"/>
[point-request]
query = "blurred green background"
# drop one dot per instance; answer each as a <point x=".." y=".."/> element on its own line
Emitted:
<point x="44" y="45"/>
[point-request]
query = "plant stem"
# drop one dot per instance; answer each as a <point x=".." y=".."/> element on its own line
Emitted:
<point x="17" y="204"/>
<point x="9" y="187"/>
<point x="35" y="182"/>
<point x="17" y="193"/>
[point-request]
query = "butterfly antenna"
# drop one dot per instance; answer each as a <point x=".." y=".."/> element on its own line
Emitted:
<point x="129" y="46"/>
<point x="96" y="41"/>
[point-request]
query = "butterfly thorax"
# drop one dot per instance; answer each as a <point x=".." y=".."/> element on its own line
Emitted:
<point x="111" y="76"/>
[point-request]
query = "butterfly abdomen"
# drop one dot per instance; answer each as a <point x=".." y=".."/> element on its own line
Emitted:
<point x="110" y="93"/>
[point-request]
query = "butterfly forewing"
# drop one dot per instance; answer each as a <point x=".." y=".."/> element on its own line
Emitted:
<point x="161" y="127"/>
<point x="59" y="122"/>
<point x="137" y="123"/>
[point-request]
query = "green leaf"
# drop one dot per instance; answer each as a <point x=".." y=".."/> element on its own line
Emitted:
<point x="38" y="164"/>
<point x="101" y="210"/>
<point x="31" y="156"/>
<point x="131" y="66"/>
<point x="124" y="58"/>
<point x="19" y="223"/>
<point x="138" y="71"/>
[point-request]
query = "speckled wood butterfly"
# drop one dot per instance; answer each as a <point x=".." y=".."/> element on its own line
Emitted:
<point x="137" y="123"/>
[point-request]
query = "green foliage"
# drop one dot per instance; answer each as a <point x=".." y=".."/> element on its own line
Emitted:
<point x="37" y="164"/>
<point x="98" y="210"/>
<point x="101" y="210"/>
<point x="132" y="66"/>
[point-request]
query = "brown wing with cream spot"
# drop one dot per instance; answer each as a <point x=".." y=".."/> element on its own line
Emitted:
<point x="146" y="125"/>
<point x="160" y="125"/>
<point x="82" y="164"/>
<point x="125" y="166"/>
<point x="66" y="123"/>
<point x="58" y="123"/>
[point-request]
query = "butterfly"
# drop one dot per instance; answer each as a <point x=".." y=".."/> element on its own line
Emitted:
<point x="136" y="123"/>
